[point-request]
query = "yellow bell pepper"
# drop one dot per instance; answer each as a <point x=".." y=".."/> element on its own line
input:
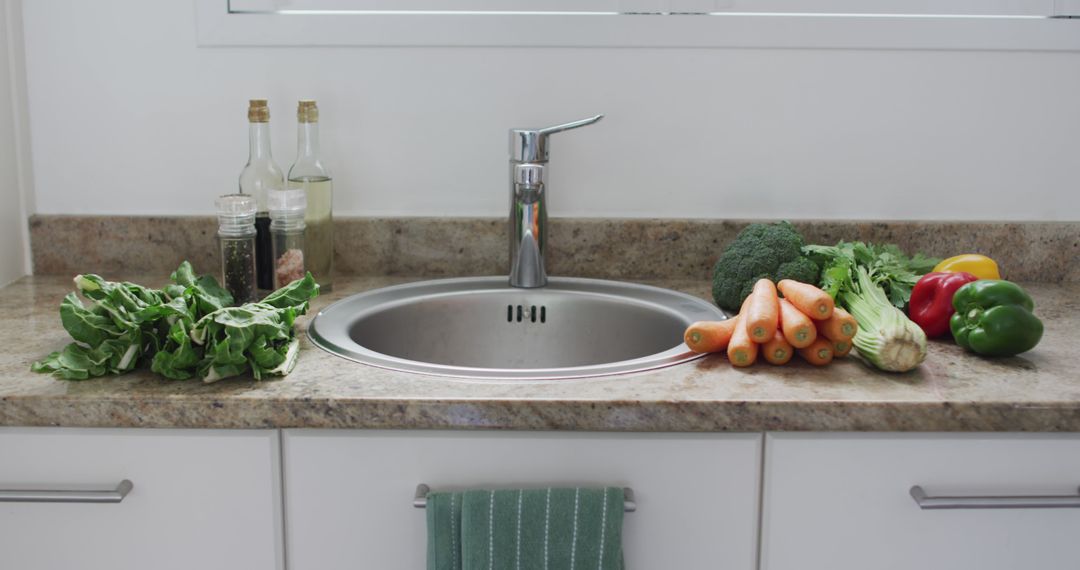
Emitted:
<point x="978" y="265"/>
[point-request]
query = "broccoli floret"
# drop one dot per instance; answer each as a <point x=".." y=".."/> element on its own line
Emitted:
<point x="760" y="251"/>
<point x="802" y="269"/>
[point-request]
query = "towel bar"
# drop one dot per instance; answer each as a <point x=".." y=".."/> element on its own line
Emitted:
<point x="422" y="490"/>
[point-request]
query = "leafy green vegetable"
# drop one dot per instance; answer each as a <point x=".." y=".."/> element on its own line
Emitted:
<point x="887" y="266"/>
<point x="295" y="294"/>
<point x="90" y="327"/>
<point x="886" y="337"/>
<point x="75" y="362"/>
<point x="187" y="329"/>
<point x="760" y="251"/>
<point x="873" y="282"/>
<point x="207" y="294"/>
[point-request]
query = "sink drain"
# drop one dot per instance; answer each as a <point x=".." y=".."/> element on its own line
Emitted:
<point x="524" y="313"/>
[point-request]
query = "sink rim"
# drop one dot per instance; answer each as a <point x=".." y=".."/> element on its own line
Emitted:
<point x="396" y="295"/>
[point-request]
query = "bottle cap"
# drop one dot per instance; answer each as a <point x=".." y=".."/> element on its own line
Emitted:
<point x="287" y="208"/>
<point x="258" y="111"/>
<point x="236" y="214"/>
<point x="307" y="111"/>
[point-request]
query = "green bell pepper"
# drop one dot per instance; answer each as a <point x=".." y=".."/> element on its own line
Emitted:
<point x="994" y="318"/>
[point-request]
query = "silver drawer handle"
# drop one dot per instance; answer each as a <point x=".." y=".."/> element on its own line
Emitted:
<point x="995" y="502"/>
<point x="64" y="496"/>
<point x="420" y="498"/>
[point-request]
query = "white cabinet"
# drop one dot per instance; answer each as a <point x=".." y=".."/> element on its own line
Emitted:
<point x="842" y="502"/>
<point x="213" y="499"/>
<point x="349" y="493"/>
<point x="201" y="499"/>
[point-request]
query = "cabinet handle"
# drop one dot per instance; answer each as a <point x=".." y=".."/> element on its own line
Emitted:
<point x="65" y="496"/>
<point x="420" y="498"/>
<point x="926" y="502"/>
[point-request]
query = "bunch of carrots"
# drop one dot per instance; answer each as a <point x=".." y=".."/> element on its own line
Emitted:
<point x="804" y="321"/>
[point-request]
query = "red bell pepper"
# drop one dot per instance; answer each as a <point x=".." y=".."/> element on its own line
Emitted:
<point x="931" y="300"/>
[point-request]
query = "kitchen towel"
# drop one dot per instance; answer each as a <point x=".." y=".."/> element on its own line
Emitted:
<point x="526" y="529"/>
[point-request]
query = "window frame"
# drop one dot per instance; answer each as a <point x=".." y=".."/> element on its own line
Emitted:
<point x="217" y="26"/>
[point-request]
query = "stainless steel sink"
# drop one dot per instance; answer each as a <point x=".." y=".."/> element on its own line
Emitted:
<point x="484" y="328"/>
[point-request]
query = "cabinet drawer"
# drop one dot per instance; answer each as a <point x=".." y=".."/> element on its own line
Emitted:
<point x="201" y="499"/>
<point x="349" y="494"/>
<point x="842" y="501"/>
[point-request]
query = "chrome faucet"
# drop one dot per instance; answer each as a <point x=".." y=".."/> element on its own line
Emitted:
<point x="528" y="202"/>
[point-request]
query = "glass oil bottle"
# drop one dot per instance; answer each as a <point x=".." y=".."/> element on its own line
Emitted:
<point x="311" y="175"/>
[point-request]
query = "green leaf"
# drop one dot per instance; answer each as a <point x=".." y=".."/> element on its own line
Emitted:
<point x="204" y="292"/>
<point x="886" y="266"/>
<point x="184" y="275"/>
<point x="213" y="293"/>
<point x="74" y="362"/>
<point x="210" y="372"/>
<point x="179" y="362"/>
<point x="85" y="326"/>
<point x="265" y="356"/>
<point x="291" y="353"/>
<point x="295" y="294"/>
<point x="176" y="308"/>
<point x="174" y="291"/>
<point x="121" y="354"/>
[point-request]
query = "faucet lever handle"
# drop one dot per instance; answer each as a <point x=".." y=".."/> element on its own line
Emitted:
<point x="570" y="125"/>
<point x="530" y="145"/>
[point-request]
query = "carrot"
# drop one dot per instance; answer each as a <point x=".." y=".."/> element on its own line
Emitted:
<point x="819" y="354"/>
<point x="798" y="329"/>
<point x="840" y="326"/>
<point x="814" y="302"/>
<point x="841" y="348"/>
<point x="741" y="351"/>
<point x="762" y="311"/>
<point x="709" y="336"/>
<point x="778" y="350"/>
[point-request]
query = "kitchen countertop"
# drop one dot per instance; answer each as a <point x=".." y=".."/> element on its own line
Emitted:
<point x="951" y="391"/>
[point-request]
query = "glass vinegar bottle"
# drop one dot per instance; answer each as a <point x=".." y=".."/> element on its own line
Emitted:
<point x="310" y="174"/>
<point x="260" y="176"/>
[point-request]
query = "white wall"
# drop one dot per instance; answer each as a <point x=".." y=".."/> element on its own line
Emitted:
<point x="13" y="243"/>
<point x="130" y="117"/>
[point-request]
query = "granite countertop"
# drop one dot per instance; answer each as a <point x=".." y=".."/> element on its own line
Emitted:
<point x="952" y="391"/>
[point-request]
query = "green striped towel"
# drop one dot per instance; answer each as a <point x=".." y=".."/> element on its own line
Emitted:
<point x="526" y="529"/>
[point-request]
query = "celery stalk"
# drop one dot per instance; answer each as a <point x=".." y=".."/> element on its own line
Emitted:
<point x="886" y="337"/>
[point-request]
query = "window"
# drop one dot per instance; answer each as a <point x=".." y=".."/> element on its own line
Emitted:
<point x="884" y="24"/>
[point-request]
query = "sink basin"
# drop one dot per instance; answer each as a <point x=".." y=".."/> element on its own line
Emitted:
<point x="483" y="328"/>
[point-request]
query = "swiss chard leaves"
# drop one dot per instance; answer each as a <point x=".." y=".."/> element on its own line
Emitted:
<point x="187" y="329"/>
<point x="295" y="294"/>
<point x="86" y="326"/>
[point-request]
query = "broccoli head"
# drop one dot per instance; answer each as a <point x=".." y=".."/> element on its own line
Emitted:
<point x="761" y="251"/>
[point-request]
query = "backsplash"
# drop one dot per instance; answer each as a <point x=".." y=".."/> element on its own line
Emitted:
<point x="632" y="249"/>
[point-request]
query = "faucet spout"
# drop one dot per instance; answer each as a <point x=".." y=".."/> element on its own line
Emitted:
<point x="528" y="215"/>
<point x="528" y="202"/>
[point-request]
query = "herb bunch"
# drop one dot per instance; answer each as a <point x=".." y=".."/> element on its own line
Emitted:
<point x="886" y="265"/>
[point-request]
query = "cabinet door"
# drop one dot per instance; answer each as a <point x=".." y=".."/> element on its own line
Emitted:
<point x="843" y="502"/>
<point x="349" y="494"/>
<point x="201" y="499"/>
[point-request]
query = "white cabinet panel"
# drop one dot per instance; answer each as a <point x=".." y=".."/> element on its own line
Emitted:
<point x="841" y="502"/>
<point x="201" y="499"/>
<point x="349" y="493"/>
